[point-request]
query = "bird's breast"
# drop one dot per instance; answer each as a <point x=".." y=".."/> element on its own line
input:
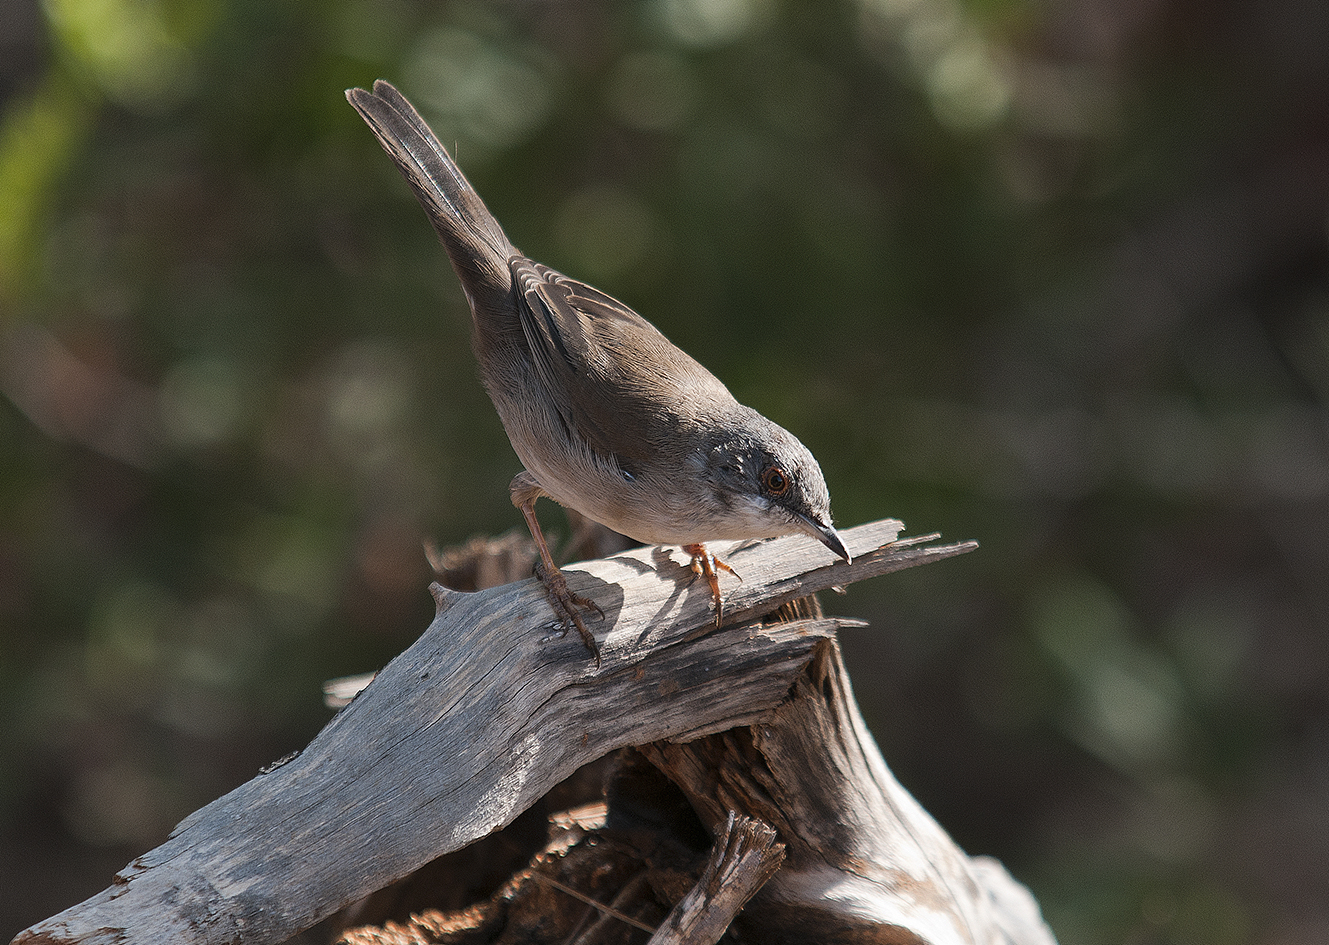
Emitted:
<point x="656" y="500"/>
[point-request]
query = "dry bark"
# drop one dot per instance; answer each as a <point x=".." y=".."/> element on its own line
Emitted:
<point x="487" y="712"/>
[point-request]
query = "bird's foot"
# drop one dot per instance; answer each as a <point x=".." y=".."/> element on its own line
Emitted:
<point x="707" y="565"/>
<point x="567" y="604"/>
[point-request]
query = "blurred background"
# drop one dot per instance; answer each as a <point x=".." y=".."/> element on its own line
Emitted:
<point x="1052" y="275"/>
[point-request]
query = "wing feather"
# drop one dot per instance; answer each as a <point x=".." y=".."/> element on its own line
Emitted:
<point x="621" y="376"/>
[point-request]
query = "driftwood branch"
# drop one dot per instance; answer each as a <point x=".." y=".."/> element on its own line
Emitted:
<point x="746" y="854"/>
<point x="865" y="863"/>
<point x="486" y="712"/>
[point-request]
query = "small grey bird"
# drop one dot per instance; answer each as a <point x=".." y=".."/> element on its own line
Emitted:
<point x="607" y="415"/>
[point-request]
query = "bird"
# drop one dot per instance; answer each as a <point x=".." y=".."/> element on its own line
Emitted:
<point x="608" y="417"/>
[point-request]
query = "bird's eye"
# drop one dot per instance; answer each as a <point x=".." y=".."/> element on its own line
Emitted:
<point x="774" y="480"/>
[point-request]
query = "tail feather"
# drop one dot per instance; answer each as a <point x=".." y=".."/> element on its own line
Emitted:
<point x="476" y="244"/>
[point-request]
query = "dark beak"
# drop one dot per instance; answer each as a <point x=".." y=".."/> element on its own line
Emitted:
<point x="825" y="534"/>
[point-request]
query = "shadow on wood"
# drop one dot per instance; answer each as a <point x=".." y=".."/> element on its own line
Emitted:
<point x="489" y="709"/>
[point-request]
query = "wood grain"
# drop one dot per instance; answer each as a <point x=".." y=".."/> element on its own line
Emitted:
<point x="472" y="724"/>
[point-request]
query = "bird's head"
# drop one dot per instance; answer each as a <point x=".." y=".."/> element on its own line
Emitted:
<point x="764" y="483"/>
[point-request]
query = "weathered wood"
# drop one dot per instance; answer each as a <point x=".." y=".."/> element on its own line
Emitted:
<point x="472" y="724"/>
<point x="865" y="863"/>
<point x="746" y="854"/>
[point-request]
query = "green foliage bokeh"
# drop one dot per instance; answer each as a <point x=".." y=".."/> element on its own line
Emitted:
<point x="1053" y="276"/>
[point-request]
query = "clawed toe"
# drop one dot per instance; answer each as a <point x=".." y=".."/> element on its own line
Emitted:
<point x="708" y="566"/>
<point x="566" y="605"/>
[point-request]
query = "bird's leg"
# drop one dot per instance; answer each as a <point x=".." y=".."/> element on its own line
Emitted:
<point x="525" y="490"/>
<point x="704" y="564"/>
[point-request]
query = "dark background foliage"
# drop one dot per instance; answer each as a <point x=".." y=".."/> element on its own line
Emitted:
<point x="1050" y="275"/>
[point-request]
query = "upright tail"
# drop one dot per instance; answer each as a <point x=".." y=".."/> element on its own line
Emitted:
<point x="476" y="244"/>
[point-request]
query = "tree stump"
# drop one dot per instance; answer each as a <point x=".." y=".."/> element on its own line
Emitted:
<point x="753" y="725"/>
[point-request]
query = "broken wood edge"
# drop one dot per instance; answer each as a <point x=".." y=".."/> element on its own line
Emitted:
<point x="864" y="861"/>
<point x="468" y="727"/>
<point x="745" y="855"/>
